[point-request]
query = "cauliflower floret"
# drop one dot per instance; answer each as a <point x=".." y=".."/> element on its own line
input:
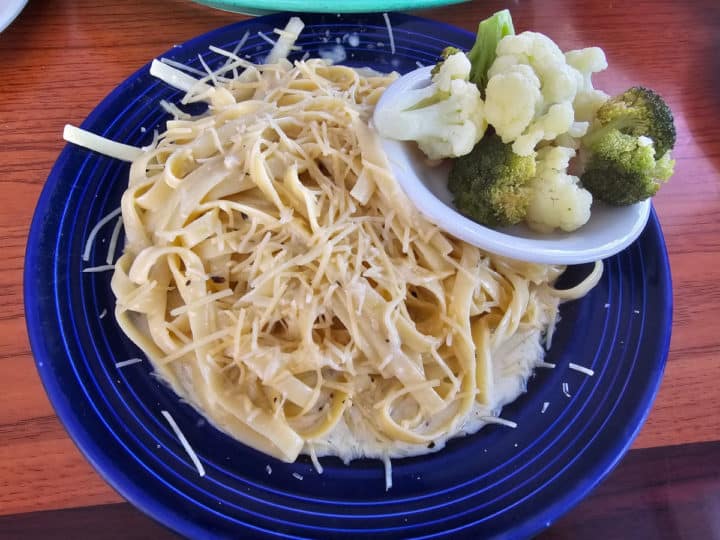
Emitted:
<point x="558" y="120"/>
<point x="512" y="99"/>
<point x="533" y="89"/>
<point x="455" y="67"/>
<point x="446" y="118"/>
<point x="553" y="158"/>
<point x="452" y="127"/>
<point x="559" y="81"/>
<point x="557" y="200"/>
<point x="586" y="62"/>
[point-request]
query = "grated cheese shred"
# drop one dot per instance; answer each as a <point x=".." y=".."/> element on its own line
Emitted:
<point x="184" y="442"/>
<point x="101" y="268"/>
<point x="582" y="369"/>
<point x="390" y="32"/>
<point x="128" y="362"/>
<point x="94" y="231"/>
<point x="500" y="421"/>
<point x="112" y="246"/>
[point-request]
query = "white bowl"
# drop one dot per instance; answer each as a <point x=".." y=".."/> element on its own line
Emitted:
<point x="609" y="230"/>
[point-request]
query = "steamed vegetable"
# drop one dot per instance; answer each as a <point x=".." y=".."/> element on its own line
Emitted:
<point x="588" y="99"/>
<point x="482" y="55"/>
<point x="541" y="109"/>
<point x="445" y="118"/>
<point x="491" y="183"/>
<point x="446" y="52"/>
<point x="531" y="91"/>
<point x="627" y="153"/>
<point x="638" y="111"/>
<point x="497" y="187"/>
<point x="557" y="200"/>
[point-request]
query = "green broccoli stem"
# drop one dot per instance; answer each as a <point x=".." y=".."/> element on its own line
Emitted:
<point x="483" y="54"/>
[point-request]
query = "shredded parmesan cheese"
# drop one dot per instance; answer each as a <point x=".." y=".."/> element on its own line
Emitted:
<point x="314" y="459"/>
<point x="174" y="110"/>
<point x="388" y="472"/>
<point x="548" y="365"/>
<point x="390" y="32"/>
<point x="175" y="77"/>
<point x="113" y="241"/>
<point x="582" y="369"/>
<point x="184" y="442"/>
<point x="101" y="268"/>
<point x="94" y="231"/>
<point x="182" y="67"/>
<point x="265" y="38"/>
<point x="207" y="299"/>
<point x="129" y="362"/>
<point x="285" y="42"/>
<point x="498" y="420"/>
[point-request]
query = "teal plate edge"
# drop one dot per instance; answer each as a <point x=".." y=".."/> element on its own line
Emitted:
<point x="260" y="7"/>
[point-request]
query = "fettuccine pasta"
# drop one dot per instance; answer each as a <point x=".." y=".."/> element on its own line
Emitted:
<point x="280" y="280"/>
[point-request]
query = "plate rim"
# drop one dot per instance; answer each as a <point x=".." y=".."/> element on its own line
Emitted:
<point x="259" y="7"/>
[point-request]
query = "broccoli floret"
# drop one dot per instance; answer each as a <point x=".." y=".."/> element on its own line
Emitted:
<point x="623" y="169"/>
<point x="640" y="111"/>
<point x="491" y="183"/>
<point x="627" y="152"/>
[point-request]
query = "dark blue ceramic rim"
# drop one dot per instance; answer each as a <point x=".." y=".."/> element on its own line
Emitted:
<point x="497" y="483"/>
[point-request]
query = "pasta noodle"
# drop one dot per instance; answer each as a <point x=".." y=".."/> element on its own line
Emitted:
<point x="279" y="279"/>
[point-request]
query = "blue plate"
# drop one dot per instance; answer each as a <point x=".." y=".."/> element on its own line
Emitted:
<point x="499" y="482"/>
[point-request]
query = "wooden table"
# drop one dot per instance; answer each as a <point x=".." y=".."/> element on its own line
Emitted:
<point x="61" y="57"/>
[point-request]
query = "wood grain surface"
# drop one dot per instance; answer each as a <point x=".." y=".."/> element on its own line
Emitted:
<point x="61" y="57"/>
